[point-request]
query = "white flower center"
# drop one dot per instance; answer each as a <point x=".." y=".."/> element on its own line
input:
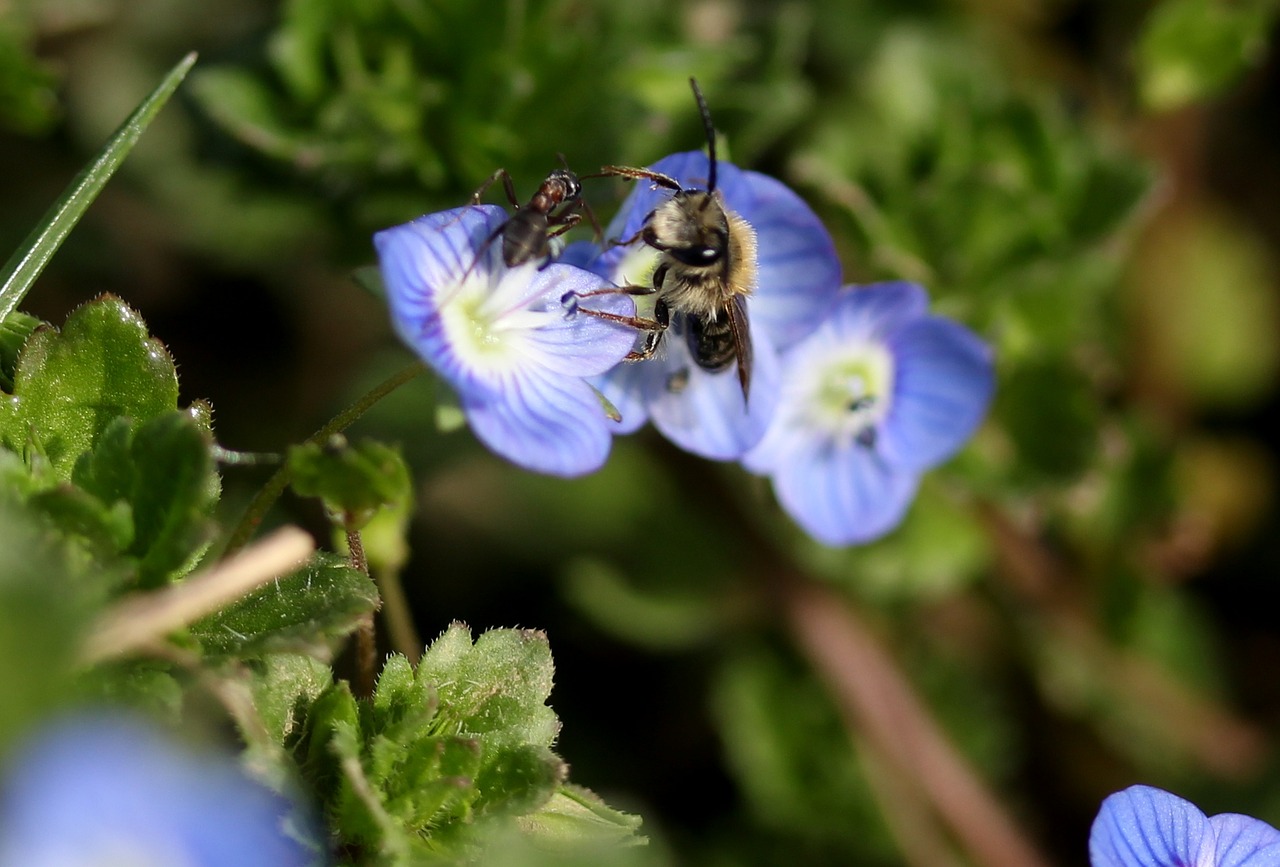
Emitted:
<point x="850" y="391"/>
<point x="486" y="315"/>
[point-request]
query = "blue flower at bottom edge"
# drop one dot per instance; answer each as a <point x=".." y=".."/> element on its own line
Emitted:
<point x="797" y="277"/>
<point x="107" y="790"/>
<point x="502" y="338"/>
<point x="1148" y="827"/>
<point x="878" y="394"/>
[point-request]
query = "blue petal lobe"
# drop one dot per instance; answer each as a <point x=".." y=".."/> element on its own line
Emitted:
<point x="625" y="387"/>
<point x="422" y="263"/>
<point x="704" y="413"/>
<point x="1243" y="841"/>
<point x="842" y="495"/>
<point x="104" y="785"/>
<point x="546" y="424"/>
<point x="943" y="382"/>
<point x="875" y="311"/>
<point x="1148" y="827"/>
<point x="577" y="343"/>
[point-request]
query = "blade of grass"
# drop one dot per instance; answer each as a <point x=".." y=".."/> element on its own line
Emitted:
<point x="25" y="265"/>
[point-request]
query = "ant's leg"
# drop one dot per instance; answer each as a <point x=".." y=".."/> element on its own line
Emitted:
<point x="507" y="185"/>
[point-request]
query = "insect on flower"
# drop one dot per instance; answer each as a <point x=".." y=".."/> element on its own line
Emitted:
<point x="527" y="234"/>
<point x="706" y="270"/>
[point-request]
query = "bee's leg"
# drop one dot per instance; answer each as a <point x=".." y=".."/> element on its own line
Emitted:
<point x="658" y="323"/>
<point x="661" y="319"/>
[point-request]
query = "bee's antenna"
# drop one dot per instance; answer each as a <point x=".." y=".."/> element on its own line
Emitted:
<point x="711" y="133"/>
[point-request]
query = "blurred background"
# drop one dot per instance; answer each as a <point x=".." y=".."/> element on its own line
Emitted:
<point x="1084" y="599"/>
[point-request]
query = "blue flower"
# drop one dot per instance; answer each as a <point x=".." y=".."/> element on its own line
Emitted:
<point x="1148" y="827"/>
<point x="109" y="789"/>
<point x="798" y="276"/>
<point x="502" y="339"/>
<point x="877" y="395"/>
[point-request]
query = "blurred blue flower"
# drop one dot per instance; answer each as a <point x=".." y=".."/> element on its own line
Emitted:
<point x="501" y="337"/>
<point x="798" y="277"/>
<point x="879" y="393"/>
<point x="1148" y="827"/>
<point x="108" y="789"/>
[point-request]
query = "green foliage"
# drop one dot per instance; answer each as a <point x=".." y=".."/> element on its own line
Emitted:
<point x="1192" y="49"/>
<point x="354" y="482"/>
<point x="71" y="385"/>
<point x="307" y="611"/>
<point x="27" y="102"/>
<point x="444" y="759"/>
<point x="25" y="265"/>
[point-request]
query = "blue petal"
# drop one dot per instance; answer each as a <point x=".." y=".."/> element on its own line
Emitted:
<point x="876" y="311"/>
<point x="624" y="387"/>
<point x="94" y="784"/>
<point x="1243" y="841"/>
<point x="842" y="496"/>
<point x="708" y="416"/>
<point x="1148" y="827"/>
<point x="943" y="382"/>
<point x="547" y="424"/>
<point x="422" y="262"/>
<point x="797" y="268"/>
<point x="579" y="344"/>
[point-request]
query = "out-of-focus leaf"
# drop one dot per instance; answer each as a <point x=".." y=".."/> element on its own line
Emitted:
<point x="70" y="385"/>
<point x="1205" y="292"/>
<point x="14" y="331"/>
<point x="353" y="481"/>
<point x="1051" y="414"/>
<point x="29" y="260"/>
<point x="307" y="611"/>
<point x="1190" y="49"/>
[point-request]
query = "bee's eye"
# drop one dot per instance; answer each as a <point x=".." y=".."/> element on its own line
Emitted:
<point x="696" y="255"/>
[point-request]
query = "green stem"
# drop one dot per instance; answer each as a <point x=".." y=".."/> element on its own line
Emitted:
<point x="275" y="486"/>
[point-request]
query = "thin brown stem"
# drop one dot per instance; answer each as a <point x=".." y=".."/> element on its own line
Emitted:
<point x="366" y="640"/>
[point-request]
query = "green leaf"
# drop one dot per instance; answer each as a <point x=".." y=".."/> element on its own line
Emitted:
<point x="1190" y="49"/>
<point x="47" y="595"/>
<point x="496" y="688"/>
<point x="575" y="815"/>
<point x="29" y="260"/>
<point x="285" y="686"/>
<point x="307" y="612"/>
<point x="518" y="780"/>
<point x="71" y="385"/>
<point x="353" y="481"/>
<point x="174" y="491"/>
<point x="14" y="331"/>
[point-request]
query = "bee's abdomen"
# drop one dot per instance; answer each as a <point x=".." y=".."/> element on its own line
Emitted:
<point x="711" y="341"/>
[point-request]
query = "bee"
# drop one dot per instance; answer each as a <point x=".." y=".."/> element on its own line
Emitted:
<point x="527" y="234"/>
<point x="706" y="270"/>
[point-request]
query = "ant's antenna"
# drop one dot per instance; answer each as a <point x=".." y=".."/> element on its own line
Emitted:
<point x="711" y="133"/>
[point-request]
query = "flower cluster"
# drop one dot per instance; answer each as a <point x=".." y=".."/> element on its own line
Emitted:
<point x="1148" y="827"/>
<point x="855" y="391"/>
<point x="109" y="789"/>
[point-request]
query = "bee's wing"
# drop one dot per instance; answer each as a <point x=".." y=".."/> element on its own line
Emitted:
<point x="740" y="328"/>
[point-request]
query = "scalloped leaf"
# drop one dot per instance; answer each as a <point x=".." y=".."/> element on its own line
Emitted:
<point x="71" y="385"/>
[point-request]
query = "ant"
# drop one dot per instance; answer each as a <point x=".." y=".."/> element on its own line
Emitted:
<point x="526" y="234"/>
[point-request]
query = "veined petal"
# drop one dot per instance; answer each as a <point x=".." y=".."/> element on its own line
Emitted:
<point x="548" y="424"/>
<point x="943" y="382"/>
<point x="876" y="311"/>
<point x="1147" y="827"/>
<point x="843" y="496"/>
<point x="1243" y="841"/>
<point x="704" y="413"/>
<point x="577" y="343"/>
